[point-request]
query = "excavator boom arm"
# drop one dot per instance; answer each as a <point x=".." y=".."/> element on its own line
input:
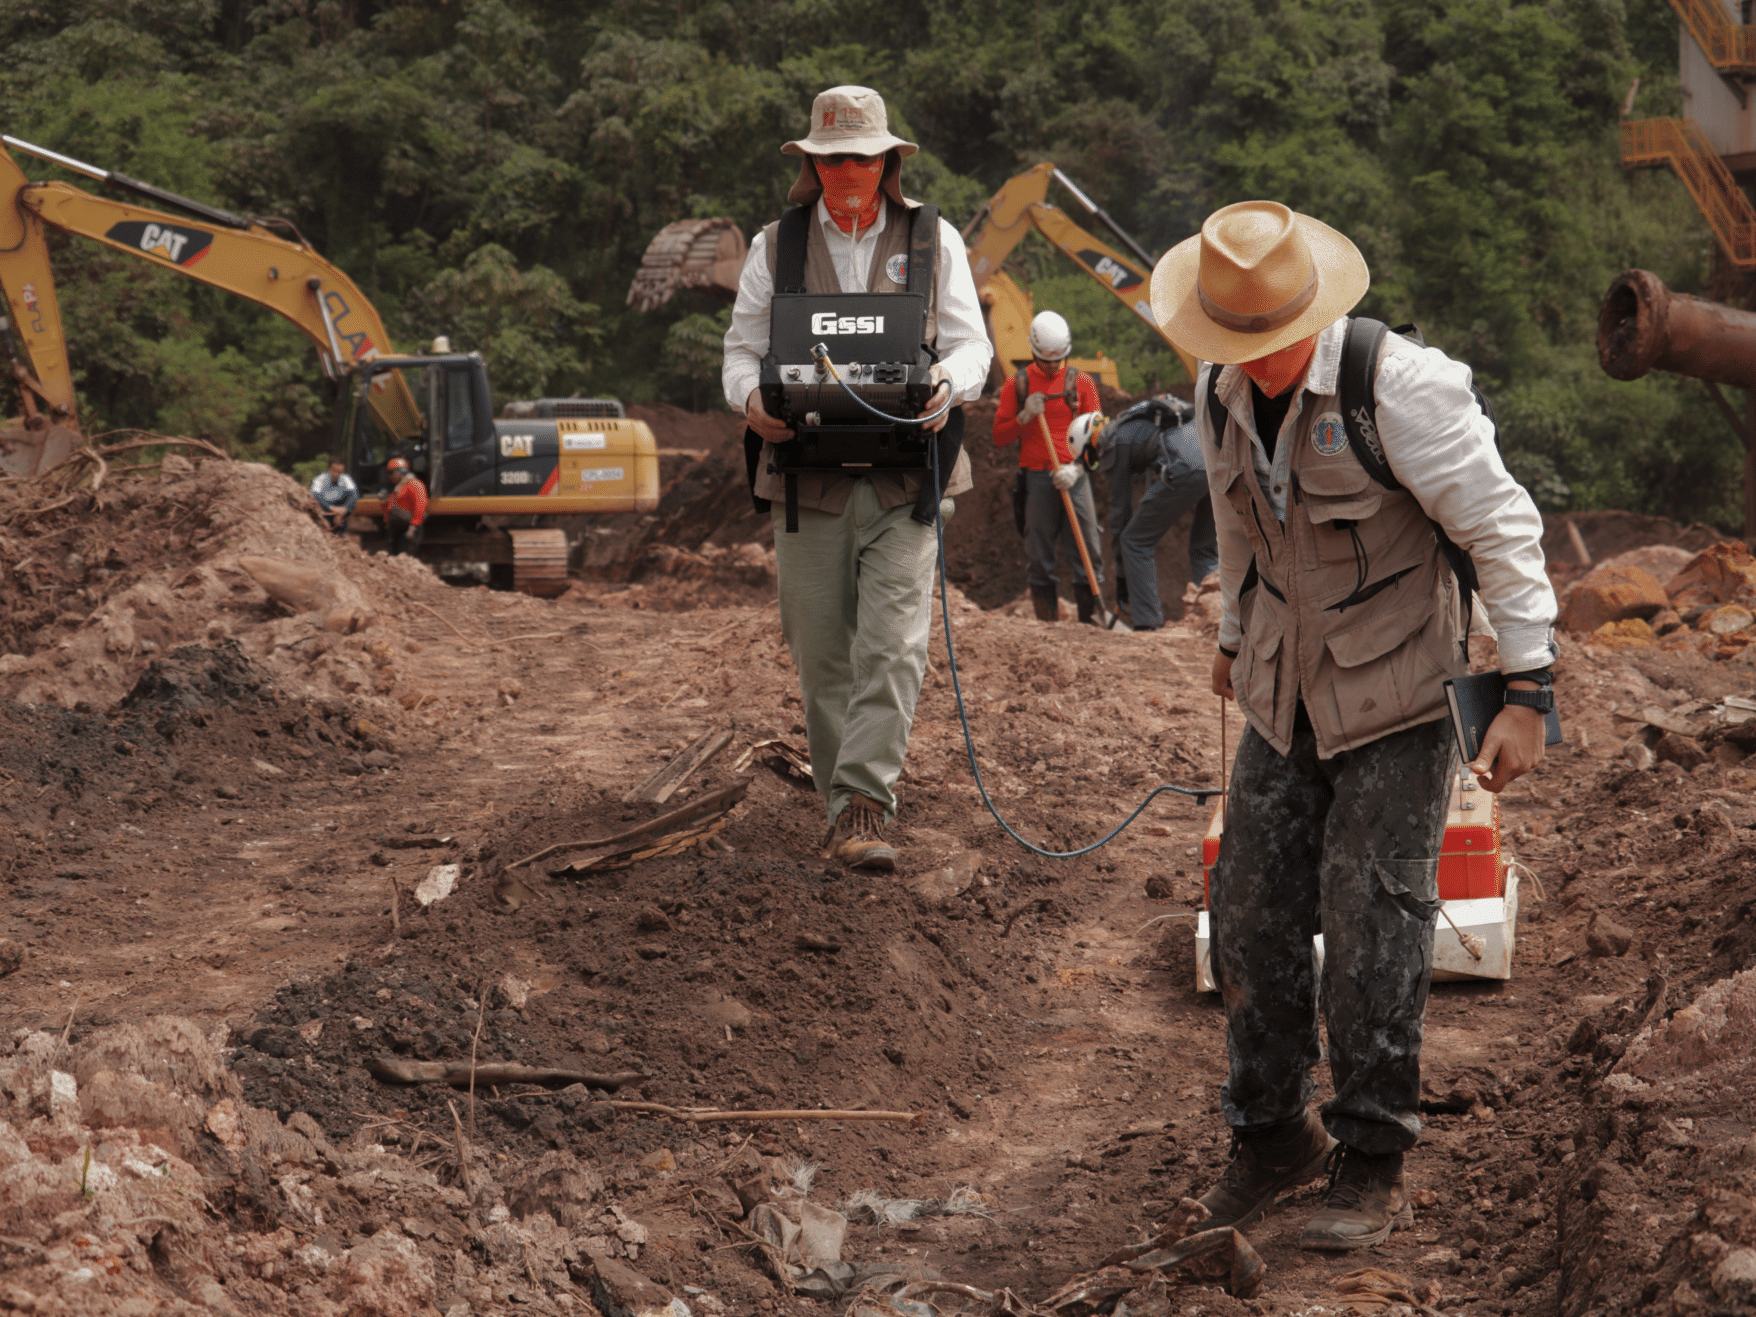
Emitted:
<point x="1021" y="204"/>
<point x="251" y="263"/>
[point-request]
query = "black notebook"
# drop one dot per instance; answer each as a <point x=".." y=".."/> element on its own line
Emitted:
<point x="1476" y="700"/>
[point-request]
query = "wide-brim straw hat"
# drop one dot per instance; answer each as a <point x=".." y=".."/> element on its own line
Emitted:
<point x="852" y="120"/>
<point x="1257" y="278"/>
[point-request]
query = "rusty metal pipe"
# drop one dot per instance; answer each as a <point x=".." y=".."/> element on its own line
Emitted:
<point x="1644" y="326"/>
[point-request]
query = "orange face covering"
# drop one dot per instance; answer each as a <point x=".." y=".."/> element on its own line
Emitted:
<point x="850" y="192"/>
<point x="1278" y="371"/>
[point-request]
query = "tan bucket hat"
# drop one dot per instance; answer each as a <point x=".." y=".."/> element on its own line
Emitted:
<point x="854" y="120"/>
<point x="1257" y="278"/>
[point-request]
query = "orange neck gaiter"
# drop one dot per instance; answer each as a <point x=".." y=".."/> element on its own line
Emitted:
<point x="1278" y="371"/>
<point x="850" y="192"/>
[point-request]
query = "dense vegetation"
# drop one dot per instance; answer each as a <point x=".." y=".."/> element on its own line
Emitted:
<point x="493" y="169"/>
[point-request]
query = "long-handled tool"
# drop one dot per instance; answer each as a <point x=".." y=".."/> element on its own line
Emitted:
<point x="1106" y="619"/>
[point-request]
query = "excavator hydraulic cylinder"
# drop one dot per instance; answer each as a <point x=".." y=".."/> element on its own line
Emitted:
<point x="1644" y="326"/>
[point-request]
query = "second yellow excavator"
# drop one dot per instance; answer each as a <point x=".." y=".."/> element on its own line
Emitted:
<point x="1022" y="204"/>
<point x="495" y="483"/>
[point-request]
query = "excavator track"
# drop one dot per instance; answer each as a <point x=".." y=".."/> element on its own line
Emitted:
<point x="539" y="562"/>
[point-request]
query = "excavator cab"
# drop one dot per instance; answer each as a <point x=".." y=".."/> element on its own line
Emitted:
<point x="435" y="412"/>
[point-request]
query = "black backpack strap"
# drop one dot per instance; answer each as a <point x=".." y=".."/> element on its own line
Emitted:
<point x="1021" y="386"/>
<point x="790" y="236"/>
<point x="1359" y="417"/>
<point x="1070" y="390"/>
<point x="1359" y="402"/>
<point x="923" y="251"/>
<point x="1216" y="410"/>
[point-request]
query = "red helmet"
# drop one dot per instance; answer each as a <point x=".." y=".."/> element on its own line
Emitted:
<point x="397" y="464"/>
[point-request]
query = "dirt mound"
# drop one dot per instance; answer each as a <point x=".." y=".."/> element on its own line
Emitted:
<point x="134" y="1174"/>
<point x="102" y="587"/>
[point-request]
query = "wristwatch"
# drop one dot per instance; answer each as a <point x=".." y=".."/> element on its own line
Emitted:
<point x="1543" y="701"/>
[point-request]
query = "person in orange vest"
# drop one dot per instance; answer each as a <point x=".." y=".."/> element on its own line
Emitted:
<point x="1050" y="389"/>
<point x="405" y="511"/>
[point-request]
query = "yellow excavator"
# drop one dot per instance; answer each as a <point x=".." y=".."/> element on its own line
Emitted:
<point x="1022" y="204"/>
<point x="708" y="255"/>
<point x="495" y="483"/>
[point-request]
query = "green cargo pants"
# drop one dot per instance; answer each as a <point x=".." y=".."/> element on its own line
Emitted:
<point x="856" y="607"/>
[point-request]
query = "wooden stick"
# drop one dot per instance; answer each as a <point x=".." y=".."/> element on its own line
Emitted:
<point x="1072" y="516"/>
<point x="395" y="901"/>
<point x="462" y="1160"/>
<point x="456" y="1073"/>
<point x="705" y="1115"/>
<point x="700" y="808"/>
<point x="454" y="631"/>
<point x="481" y="1014"/>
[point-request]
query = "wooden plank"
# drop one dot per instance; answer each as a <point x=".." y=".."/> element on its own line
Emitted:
<point x="662" y="785"/>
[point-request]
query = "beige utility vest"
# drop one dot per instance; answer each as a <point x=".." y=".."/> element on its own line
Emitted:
<point x="829" y="493"/>
<point x="1364" y="666"/>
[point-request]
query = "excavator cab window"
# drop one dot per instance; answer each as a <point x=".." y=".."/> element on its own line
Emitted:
<point x="460" y="416"/>
<point x="386" y="420"/>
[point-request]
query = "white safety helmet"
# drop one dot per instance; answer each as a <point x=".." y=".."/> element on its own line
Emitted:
<point x="1080" y="433"/>
<point x="1050" y="338"/>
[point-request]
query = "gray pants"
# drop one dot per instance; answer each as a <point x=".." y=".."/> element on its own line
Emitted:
<point x="856" y="607"/>
<point x="1171" y="490"/>
<point x="1046" y="524"/>
<point x="1348" y="846"/>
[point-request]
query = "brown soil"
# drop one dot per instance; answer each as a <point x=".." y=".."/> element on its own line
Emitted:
<point x="213" y="831"/>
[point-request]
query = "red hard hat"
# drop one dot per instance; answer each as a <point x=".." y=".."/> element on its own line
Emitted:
<point x="397" y="464"/>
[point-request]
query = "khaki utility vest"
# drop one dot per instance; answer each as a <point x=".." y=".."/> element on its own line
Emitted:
<point x="1354" y="610"/>
<point x="829" y="493"/>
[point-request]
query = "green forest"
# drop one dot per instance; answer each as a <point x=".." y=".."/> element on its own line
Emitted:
<point x="493" y="169"/>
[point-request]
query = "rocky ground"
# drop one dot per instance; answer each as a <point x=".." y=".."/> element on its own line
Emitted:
<point x="217" y="812"/>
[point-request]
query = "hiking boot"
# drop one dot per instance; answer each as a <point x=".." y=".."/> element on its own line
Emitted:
<point x="1364" y="1204"/>
<point x="857" y="839"/>
<point x="1263" y="1166"/>
<point x="1086" y="603"/>
<point x="1042" y="598"/>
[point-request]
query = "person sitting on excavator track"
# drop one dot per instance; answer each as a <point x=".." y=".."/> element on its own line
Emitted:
<point x="405" y="511"/>
<point x="336" y="493"/>
<point x="1049" y="389"/>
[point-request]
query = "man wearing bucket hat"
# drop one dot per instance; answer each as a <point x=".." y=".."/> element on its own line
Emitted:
<point x="1342" y="619"/>
<point x="855" y="579"/>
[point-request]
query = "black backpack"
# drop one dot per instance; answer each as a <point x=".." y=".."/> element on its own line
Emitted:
<point x="1069" y="388"/>
<point x="1359" y="417"/>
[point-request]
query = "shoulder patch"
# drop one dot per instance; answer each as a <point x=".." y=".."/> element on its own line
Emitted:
<point x="897" y="268"/>
<point x="1328" y="435"/>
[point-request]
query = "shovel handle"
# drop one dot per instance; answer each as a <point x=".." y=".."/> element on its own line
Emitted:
<point x="1072" y="516"/>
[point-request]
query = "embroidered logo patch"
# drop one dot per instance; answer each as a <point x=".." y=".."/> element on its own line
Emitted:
<point x="897" y="268"/>
<point x="1328" y="435"/>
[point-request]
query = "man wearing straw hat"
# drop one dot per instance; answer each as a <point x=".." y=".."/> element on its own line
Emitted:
<point x="1342" y="619"/>
<point x="856" y="577"/>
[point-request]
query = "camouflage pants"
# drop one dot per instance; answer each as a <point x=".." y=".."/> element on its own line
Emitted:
<point x="1347" y="846"/>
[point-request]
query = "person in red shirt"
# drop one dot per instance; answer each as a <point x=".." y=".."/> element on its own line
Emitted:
<point x="1043" y="387"/>
<point x="405" y="511"/>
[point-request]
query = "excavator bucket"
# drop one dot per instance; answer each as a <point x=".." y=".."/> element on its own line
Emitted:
<point x="25" y="452"/>
<point x="692" y="253"/>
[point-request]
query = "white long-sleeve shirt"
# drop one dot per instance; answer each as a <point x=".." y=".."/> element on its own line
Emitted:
<point x="1441" y="447"/>
<point x="964" y="349"/>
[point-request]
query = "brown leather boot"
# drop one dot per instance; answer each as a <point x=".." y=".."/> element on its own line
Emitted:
<point x="1086" y="603"/>
<point x="1263" y="1166"/>
<point x="1042" y="598"/>
<point x="857" y="839"/>
<point x="1364" y="1204"/>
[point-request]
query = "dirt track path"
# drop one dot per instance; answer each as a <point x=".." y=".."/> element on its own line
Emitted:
<point x="1035" y="1050"/>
